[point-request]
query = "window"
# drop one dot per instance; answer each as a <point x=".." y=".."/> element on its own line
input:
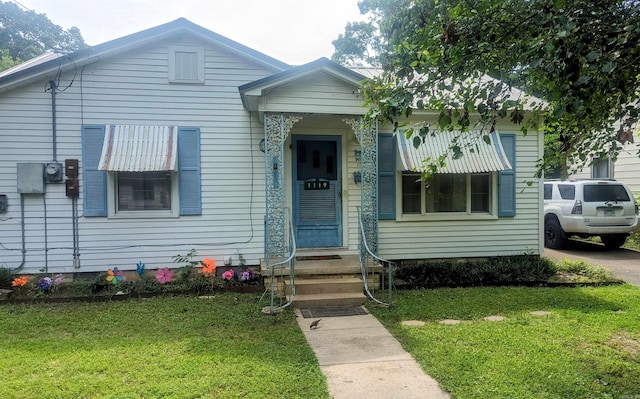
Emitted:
<point x="115" y="187"/>
<point x="143" y="194"/>
<point x="600" y="168"/>
<point x="186" y="64"/>
<point x="605" y="192"/>
<point x="447" y="194"/>
<point x="548" y="191"/>
<point x="567" y="191"/>
<point x="143" y="191"/>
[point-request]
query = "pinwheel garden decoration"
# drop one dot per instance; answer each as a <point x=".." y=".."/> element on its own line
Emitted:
<point x="164" y="275"/>
<point x="229" y="275"/>
<point x="208" y="266"/>
<point x="115" y="276"/>
<point x="140" y="268"/>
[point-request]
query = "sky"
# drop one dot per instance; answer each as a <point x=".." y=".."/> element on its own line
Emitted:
<point x="292" y="31"/>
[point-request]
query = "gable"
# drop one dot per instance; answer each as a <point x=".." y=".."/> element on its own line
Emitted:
<point x="318" y="92"/>
<point x="44" y="68"/>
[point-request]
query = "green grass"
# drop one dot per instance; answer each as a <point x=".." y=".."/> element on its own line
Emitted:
<point x="588" y="347"/>
<point x="165" y="347"/>
<point x="633" y="241"/>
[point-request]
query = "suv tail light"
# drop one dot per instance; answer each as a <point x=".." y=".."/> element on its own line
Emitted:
<point x="577" y="208"/>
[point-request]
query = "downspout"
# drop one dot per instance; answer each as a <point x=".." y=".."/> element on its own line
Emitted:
<point x="24" y="250"/>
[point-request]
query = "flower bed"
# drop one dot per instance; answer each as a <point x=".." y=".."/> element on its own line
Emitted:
<point x="195" y="277"/>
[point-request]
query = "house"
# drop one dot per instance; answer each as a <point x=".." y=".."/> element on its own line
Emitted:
<point x="176" y="138"/>
<point x="625" y="168"/>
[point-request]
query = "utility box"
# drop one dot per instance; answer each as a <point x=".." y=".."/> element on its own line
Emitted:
<point x="53" y="172"/>
<point x="72" y="188"/>
<point x="31" y="178"/>
<point x="71" y="168"/>
<point x="4" y="203"/>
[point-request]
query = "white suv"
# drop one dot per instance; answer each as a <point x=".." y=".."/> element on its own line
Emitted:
<point x="604" y="208"/>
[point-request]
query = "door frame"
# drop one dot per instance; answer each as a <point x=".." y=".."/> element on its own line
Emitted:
<point x="339" y="182"/>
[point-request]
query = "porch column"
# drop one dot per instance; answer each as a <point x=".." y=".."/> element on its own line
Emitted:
<point x="367" y="136"/>
<point x="276" y="130"/>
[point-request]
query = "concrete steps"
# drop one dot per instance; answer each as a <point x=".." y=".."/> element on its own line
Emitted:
<point x="324" y="282"/>
<point x="333" y="299"/>
<point x="331" y="291"/>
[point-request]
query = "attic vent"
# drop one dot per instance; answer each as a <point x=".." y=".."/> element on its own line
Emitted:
<point x="186" y="64"/>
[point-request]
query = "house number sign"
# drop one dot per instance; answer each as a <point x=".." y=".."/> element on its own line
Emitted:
<point x="316" y="185"/>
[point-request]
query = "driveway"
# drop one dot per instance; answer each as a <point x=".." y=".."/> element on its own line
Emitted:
<point x="624" y="263"/>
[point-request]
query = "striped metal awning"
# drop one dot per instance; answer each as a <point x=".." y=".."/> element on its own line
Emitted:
<point x="129" y="148"/>
<point x="478" y="156"/>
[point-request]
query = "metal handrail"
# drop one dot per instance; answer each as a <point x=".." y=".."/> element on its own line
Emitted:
<point x="281" y="264"/>
<point x="391" y="266"/>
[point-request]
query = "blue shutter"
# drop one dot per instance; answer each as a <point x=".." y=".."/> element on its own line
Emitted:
<point x="95" y="181"/>
<point x="189" y="169"/>
<point x="386" y="176"/>
<point x="507" y="178"/>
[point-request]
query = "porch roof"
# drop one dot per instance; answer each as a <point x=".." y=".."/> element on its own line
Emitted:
<point x="252" y="91"/>
<point x="478" y="155"/>
<point x="129" y="148"/>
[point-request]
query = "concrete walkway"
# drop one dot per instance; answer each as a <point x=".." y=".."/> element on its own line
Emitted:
<point x="361" y="359"/>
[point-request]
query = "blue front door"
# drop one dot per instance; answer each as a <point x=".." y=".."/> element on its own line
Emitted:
<point x="317" y="192"/>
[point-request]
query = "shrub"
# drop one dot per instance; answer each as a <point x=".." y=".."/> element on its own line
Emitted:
<point x="507" y="270"/>
<point x="6" y="277"/>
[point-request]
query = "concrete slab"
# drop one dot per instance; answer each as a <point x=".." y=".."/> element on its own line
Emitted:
<point x="361" y="359"/>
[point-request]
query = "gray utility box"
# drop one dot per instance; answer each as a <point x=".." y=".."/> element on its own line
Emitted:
<point x="31" y="178"/>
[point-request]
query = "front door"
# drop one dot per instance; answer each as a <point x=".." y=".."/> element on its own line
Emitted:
<point x="317" y="191"/>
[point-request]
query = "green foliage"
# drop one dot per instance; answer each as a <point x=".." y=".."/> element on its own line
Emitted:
<point x="578" y="271"/>
<point x="6" y="277"/>
<point x="164" y="347"/>
<point x="6" y="61"/>
<point x="357" y="46"/>
<point x="187" y="258"/>
<point x="26" y="34"/>
<point x="587" y="347"/>
<point x="579" y="57"/>
<point x="508" y="270"/>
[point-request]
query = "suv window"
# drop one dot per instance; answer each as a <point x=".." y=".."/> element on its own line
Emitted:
<point x="567" y="192"/>
<point x="605" y="192"/>
<point x="548" y="191"/>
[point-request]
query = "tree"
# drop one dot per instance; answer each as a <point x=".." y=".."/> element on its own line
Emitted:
<point x="580" y="57"/>
<point x="6" y="61"/>
<point x="26" y="34"/>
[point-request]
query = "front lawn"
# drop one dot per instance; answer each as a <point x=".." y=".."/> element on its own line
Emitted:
<point x="164" y="347"/>
<point x="587" y="347"/>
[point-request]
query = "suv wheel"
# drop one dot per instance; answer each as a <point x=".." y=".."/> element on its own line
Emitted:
<point x="554" y="236"/>
<point x="613" y="241"/>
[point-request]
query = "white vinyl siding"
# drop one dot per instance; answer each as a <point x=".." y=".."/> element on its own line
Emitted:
<point x="133" y="89"/>
<point x="319" y="93"/>
<point x="476" y="237"/>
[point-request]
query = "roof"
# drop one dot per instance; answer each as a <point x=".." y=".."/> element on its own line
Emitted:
<point x="41" y="59"/>
<point x="514" y="92"/>
<point x="48" y="63"/>
<point x="478" y="156"/>
<point x="252" y="90"/>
